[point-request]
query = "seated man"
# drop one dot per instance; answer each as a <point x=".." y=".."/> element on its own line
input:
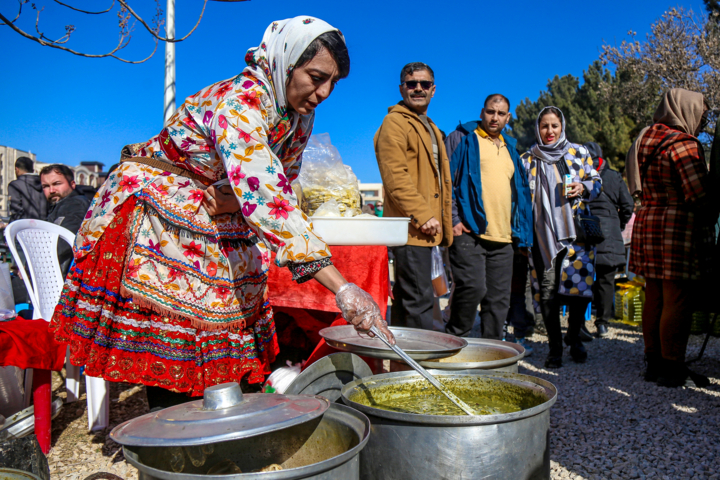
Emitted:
<point x="66" y="207"/>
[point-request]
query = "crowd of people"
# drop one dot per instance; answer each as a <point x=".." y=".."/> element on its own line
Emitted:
<point x="169" y="282"/>
<point x="550" y="218"/>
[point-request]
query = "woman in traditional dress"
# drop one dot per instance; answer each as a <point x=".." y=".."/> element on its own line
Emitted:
<point x="169" y="288"/>
<point x="672" y="237"/>
<point x="561" y="267"/>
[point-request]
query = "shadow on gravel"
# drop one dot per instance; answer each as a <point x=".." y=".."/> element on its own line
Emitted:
<point x="609" y="423"/>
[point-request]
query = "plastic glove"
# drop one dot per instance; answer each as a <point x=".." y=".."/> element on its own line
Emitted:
<point x="359" y="308"/>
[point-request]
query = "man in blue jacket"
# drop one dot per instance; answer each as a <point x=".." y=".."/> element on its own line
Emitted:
<point x="492" y="211"/>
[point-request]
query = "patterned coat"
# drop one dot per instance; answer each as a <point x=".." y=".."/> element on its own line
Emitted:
<point x="211" y="270"/>
<point x="672" y="236"/>
<point x="578" y="265"/>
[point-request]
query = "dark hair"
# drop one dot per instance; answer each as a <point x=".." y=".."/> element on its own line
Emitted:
<point x="63" y="170"/>
<point x="496" y="97"/>
<point x="25" y="164"/>
<point x="413" y="67"/>
<point x="594" y="150"/>
<point x="554" y="110"/>
<point x="334" y="43"/>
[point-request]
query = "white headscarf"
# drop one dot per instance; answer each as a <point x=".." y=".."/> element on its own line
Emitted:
<point x="283" y="43"/>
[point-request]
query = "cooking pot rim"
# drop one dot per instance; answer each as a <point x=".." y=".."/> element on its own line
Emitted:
<point x="449" y="420"/>
<point x="484" y="342"/>
<point x="290" y="474"/>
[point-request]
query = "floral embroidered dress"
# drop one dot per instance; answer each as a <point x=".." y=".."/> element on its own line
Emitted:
<point x="164" y="294"/>
<point x="579" y="263"/>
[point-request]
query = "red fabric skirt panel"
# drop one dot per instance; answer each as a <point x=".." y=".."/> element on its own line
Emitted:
<point x="120" y="341"/>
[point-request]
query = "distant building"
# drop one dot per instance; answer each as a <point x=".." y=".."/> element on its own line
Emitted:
<point x="87" y="173"/>
<point x="371" y="192"/>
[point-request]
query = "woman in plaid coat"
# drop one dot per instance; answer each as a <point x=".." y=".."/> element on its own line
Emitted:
<point x="672" y="237"/>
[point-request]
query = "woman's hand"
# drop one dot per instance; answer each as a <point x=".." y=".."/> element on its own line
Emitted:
<point x="359" y="308"/>
<point x="576" y="190"/>
<point x="220" y="200"/>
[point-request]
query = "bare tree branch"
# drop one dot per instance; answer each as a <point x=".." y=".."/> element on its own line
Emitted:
<point x="69" y="29"/>
<point x="74" y="52"/>
<point x="154" y="32"/>
<point x="124" y="25"/>
<point x="21" y="2"/>
<point x="85" y="11"/>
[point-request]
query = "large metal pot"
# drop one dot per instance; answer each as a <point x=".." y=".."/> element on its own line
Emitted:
<point x="434" y="447"/>
<point x="479" y="354"/>
<point x="319" y="444"/>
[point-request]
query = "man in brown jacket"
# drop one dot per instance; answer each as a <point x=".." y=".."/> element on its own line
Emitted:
<point x="416" y="177"/>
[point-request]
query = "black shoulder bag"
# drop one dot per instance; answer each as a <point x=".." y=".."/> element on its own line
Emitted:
<point x="587" y="226"/>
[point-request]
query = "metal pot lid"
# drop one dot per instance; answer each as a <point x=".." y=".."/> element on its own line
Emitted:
<point x="418" y="344"/>
<point x="13" y="474"/>
<point x="223" y="414"/>
<point x="327" y="376"/>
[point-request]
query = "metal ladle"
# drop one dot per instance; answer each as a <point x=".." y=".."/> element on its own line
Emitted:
<point x="433" y="381"/>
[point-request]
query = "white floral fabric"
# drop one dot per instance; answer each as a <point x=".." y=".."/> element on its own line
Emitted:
<point x="213" y="270"/>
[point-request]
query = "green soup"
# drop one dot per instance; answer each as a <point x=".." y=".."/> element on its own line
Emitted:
<point x="484" y="396"/>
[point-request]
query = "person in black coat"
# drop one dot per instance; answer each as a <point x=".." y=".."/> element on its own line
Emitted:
<point x="614" y="207"/>
<point x="27" y="200"/>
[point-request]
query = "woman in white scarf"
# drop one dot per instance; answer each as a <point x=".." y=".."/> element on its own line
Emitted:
<point x="170" y="280"/>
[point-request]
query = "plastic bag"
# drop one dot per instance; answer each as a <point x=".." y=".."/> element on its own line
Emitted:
<point x="331" y="208"/>
<point x="633" y="300"/>
<point x="280" y="379"/>
<point x="437" y="273"/>
<point x="7" y="300"/>
<point x="323" y="177"/>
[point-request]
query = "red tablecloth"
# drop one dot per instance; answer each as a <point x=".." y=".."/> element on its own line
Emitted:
<point x="366" y="267"/>
<point x="29" y="344"/>
<point x="312" y="307"/>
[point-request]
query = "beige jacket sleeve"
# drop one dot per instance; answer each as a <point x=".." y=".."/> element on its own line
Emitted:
<point x="391" y="151"/>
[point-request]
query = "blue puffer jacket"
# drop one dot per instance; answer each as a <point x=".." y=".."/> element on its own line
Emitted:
<point x="467" y="189"/>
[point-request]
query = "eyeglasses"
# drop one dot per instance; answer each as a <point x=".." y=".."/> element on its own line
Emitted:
<point x="412" y="84"/>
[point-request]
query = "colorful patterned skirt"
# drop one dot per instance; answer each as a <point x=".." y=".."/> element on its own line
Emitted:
<point x="120" y="341"/>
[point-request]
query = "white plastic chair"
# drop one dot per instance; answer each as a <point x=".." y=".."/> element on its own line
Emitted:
<point x="39" y="241"/>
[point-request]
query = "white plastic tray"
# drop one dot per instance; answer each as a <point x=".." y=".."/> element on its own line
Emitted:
<point x="391" y="231"/>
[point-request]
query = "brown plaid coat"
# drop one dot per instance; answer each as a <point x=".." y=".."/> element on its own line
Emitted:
<point x="672" y="237"/>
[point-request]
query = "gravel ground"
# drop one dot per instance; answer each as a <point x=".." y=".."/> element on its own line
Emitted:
<point x="606" y="424"/>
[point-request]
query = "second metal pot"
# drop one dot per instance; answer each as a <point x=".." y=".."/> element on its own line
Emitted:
<point x="480" y="354"/>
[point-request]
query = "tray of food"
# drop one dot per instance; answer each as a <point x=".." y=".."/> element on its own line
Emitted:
<point x="419" y="344"/>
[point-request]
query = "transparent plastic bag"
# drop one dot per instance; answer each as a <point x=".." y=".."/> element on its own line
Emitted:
<point x="437" y="273"/>
<point x="323" y="177"/>
<point x="7" y="301"/>
<point x="331" y="208"/>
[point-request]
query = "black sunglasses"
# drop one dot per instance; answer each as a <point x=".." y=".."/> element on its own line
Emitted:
<point x="412" y="84"/>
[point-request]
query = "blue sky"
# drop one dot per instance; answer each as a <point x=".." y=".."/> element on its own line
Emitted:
<point x="69" y="109"/>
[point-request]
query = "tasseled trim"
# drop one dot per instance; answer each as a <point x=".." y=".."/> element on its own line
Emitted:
<point x="196" y="322"/>
<point x="183" y="232"/>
